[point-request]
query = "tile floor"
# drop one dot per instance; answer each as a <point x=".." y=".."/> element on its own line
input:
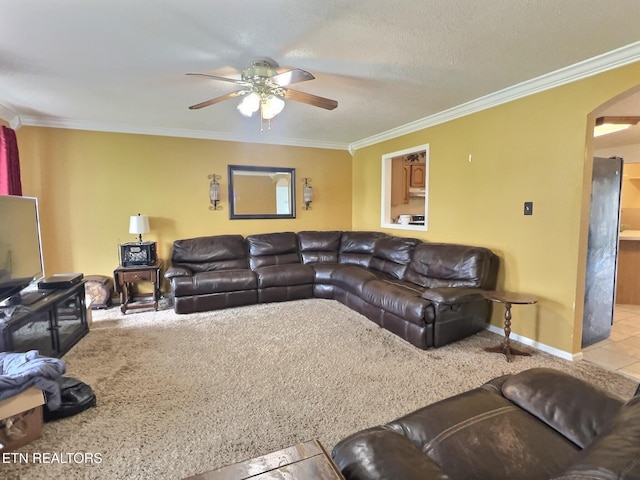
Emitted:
<point x="621" y="351"/>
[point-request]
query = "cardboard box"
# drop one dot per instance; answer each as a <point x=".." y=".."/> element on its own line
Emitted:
<point x="88" y="300"/>
<point x="21" y="419"/>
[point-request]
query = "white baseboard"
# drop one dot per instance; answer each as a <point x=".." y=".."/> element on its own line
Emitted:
<point x="574" y="357"/>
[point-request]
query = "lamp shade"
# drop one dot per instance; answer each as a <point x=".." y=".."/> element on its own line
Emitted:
<point x="139" y="224"/>
<point x="271" y="106"/>
<point x="214" y="192"/>
<point x="307" y="194"/>
<point x="249" y="104"/>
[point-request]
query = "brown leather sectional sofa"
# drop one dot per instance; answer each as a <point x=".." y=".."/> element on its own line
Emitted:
<point x="534" y="425"/>
<point x="427" y="293"/>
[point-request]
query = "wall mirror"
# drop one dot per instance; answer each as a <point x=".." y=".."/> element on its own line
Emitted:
<point x="405" y="189"/>
<point x="261" y="192"/>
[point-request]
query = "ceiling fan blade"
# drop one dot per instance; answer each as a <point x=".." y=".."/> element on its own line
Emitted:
<point x="294" y="75"/>
<point x="310" y="99"/>
<point x="219" y="99"/>
<point x="222" y="79"/>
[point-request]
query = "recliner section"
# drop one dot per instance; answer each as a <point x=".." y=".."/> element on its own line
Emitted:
<point x="430" y="294"/>
<point x="536" y="424"/>
<point x="210" y="273"/>
<point x="275" y="259"/>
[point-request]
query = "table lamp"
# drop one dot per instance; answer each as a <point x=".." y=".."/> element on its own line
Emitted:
<point x="139" y="224"/>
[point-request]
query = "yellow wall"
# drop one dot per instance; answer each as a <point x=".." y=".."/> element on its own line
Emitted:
<point x="531" y="149"/>
<point x="89" y="183"/>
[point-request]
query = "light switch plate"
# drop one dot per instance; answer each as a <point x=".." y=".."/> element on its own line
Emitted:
<point x="528" y="208"/>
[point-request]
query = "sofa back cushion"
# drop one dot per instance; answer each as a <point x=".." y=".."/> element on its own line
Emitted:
<point x="448" y="265"/>
<point x="272" y="249"/>
<point x="319" y="247"/>
<point x="356" y="248"/>
<point x="204" y="254"/>
<point x="392" y="255"/>
<point x="574" y="408"/>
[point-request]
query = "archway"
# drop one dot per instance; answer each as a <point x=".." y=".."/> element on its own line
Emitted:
<point x="610" y="208"/>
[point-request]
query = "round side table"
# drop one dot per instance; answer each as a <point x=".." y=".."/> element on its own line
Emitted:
<point x="508" y="299"/>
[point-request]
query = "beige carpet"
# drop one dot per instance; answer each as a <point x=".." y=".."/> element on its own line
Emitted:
<point x="182" y="394"/>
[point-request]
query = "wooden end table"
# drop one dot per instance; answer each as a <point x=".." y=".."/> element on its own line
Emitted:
<point x="508" y="299"/>
<point x="305" y="461"/>
<point x="125" y="279"/>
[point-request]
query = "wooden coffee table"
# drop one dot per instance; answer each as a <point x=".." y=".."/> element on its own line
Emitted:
<point x="305" y="461"/>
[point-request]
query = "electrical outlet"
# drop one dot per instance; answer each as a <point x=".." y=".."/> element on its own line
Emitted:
<point x="528" y="208"/>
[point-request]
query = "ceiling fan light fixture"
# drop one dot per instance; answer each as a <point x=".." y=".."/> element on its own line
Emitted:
<point x="264" y="87"/>
<point x="250" y="104"/>
<point x="271" y="106"/>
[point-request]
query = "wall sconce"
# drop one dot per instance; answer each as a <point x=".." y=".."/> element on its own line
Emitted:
<point x="307" y="193"/>
<point x="214" y="191"/>
<point x="139" y="224"/>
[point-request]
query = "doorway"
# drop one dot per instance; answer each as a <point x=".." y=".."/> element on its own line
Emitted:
<point x="620" y="351"/>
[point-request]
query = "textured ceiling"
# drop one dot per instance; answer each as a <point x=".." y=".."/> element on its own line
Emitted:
<point x="119" y="65"/>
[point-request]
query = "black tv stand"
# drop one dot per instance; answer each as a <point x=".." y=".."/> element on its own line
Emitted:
<point x="32" y="296"/>
<point x="52" y="323"/>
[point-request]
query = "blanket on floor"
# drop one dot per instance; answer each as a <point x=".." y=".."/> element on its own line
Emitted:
<point x="19" y="371"/>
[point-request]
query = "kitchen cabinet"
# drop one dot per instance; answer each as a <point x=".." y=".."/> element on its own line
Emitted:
<point x="628" y="278"/>
<point x="400" y="178"/>
<point x="405" y="175"/>
<point x="418" y="175"/>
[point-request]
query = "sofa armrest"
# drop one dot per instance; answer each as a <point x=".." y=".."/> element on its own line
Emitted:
<point x="614" y="455"/>
<point x="452" y="295"/>
<point x="177" y="272"/>
<point x="381" y="454"/>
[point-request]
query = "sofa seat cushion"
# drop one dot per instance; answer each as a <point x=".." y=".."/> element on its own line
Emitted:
<point x="399" y="300"/>
<point x="214" y="282"/>
<point x="324" y="271"/>
<point x="407" y="285"/>
<point x="497" y="439"/>
<point x="284" y="275"/>
<point x="351" y="278"/>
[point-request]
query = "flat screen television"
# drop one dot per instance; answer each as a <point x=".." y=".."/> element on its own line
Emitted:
<point x="21" y="262"/>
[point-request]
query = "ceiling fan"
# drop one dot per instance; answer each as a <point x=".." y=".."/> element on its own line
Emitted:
<point x="264" y="87"/>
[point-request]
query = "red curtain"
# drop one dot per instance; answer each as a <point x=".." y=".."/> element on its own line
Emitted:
<point x="10" y="183"/>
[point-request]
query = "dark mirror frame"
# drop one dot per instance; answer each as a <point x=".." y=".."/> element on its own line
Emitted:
<point x="267" y="170"/>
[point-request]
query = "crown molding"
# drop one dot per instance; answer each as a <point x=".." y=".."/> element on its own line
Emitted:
<point x="174" y="132"/>
<point x="587" y="68"/>
<point x="11" y="117"/>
